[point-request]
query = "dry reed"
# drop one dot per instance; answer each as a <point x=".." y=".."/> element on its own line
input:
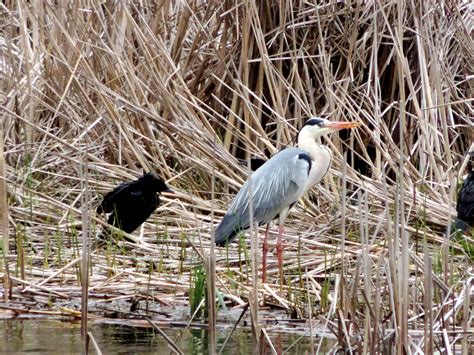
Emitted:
<point x="139" y="86"/>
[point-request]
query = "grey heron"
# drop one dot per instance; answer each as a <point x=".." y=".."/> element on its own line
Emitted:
<point x="278" y="185"/>
<point x="131" y="203"/>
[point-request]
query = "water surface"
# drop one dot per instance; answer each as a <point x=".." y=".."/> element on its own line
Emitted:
<point x="55" y="336"/>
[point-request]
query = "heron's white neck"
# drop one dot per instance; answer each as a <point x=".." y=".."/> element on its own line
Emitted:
<point x="310" y="143"/>
<point x="319" y="154"/>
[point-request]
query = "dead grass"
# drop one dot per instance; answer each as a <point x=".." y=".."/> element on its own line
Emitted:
<point x="188" y="89"/>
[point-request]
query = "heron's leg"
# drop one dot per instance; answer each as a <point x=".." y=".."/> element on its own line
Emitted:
<point x="264" y="254"/>
<point x="279" y="249"/>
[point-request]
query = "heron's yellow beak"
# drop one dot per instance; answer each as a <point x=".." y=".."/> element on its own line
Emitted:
<point x="343" y="125"/>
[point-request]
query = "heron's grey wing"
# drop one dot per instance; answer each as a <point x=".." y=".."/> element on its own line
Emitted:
<point x="280" y="184"/>
<point x="277" y="184"/>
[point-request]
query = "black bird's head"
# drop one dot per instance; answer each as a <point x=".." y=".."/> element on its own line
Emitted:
<point x="154" y="183"/>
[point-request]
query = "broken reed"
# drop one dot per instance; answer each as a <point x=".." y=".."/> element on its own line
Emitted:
<point x="142" y="88"/>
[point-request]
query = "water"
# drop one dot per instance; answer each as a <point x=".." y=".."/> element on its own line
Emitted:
<point x="41" y="336"/>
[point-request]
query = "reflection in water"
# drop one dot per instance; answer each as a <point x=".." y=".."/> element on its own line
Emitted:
<point x="197" y="343"/>
<point x="39" y="336"/>
<point x="43" y="336"/>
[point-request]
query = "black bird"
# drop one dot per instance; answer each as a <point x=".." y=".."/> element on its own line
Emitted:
<point x="256" y="163"/>
<point x="465" y="205"/>
<point x="131" y="203"/>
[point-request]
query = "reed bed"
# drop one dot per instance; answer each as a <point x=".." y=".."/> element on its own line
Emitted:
<point x="94" y="94"/>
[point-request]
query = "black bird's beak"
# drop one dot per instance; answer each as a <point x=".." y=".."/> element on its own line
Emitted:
<point x="168" y="189"/>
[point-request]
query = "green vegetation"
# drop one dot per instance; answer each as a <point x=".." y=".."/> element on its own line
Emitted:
<point x="197" y="292"/>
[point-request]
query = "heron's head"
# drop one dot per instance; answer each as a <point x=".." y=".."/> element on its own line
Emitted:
<point x="316" y="127"/>
<point x="154" y="183"/>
